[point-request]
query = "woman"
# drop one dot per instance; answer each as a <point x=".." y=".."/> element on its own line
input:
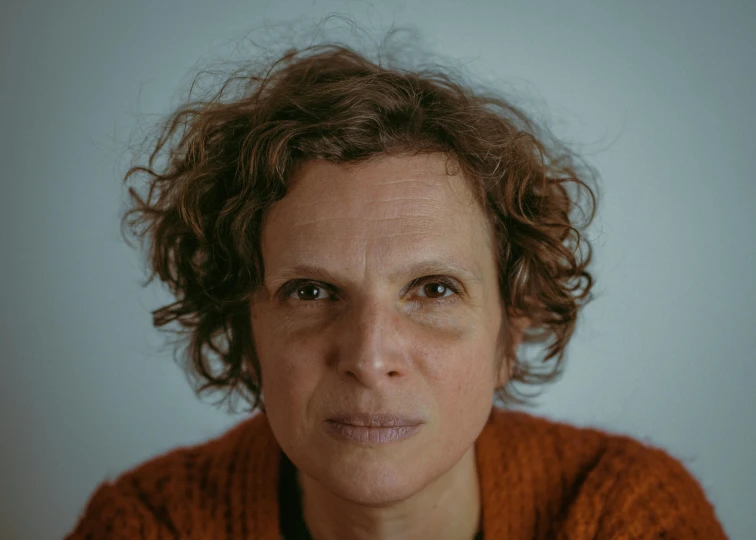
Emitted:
<point x="359" y="251"/>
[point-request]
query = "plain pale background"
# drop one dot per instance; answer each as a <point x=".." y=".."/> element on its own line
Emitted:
<point x="660" y="93"/>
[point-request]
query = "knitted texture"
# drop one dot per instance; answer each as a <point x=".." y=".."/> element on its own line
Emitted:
<point x="539" y="480"/>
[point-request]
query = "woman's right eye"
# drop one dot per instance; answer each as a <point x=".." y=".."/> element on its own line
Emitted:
<point x="309" y="291"/>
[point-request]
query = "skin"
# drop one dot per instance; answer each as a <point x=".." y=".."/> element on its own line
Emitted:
<point x="380" y="295"/>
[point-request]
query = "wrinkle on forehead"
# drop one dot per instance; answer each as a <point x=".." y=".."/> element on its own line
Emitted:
<point x="327" y="192"/>
<point x="370" y="217"/>
<point x="424" y="173"/>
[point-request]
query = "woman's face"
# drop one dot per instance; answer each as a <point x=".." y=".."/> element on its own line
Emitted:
<point x="380" y="305"/>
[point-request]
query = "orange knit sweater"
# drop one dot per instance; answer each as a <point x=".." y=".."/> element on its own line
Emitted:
<point x="539" y="479"/>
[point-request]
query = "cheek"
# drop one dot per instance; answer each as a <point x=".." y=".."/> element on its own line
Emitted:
<point x="291" y="374"/>
<point x="465" y="373"/>
<point x="463" y="395"/>
<point x="459" y="371"/>
<point x="468" y="374"/>
<point x="290" y="367"/>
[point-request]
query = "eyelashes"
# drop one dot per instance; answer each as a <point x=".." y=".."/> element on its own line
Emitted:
<point x="306" y="291"/>
<point x="447" y="283"/>
<point x="297" y="285"/>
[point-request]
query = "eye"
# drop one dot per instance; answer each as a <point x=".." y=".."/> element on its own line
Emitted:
<point x="437" y="288"/>
<point x="309" y="292"/>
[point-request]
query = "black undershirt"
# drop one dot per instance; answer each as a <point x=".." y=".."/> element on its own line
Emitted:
<point x="290" y="516"/>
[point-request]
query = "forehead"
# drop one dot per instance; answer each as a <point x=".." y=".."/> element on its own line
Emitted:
<point x="373" y="213"/>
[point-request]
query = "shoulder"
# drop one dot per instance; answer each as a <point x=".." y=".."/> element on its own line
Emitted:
<point x="609" y="482"/>
<point x="590" y="449"/>
<point x="178" y="489"/>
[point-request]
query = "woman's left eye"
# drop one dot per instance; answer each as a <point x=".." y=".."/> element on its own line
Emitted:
<point x="435" y="289"/>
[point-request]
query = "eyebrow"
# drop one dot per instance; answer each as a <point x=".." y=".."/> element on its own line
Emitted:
<point x="417" y="269"/>
<point x="435" y="267"/>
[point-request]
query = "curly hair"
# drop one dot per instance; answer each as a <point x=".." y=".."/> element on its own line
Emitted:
<point x="227" y="158"/>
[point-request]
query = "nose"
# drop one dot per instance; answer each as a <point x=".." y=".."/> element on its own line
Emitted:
<point x="373" y="348"/>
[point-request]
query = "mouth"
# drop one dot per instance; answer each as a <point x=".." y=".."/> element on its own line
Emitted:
<point x="372" y="429"/>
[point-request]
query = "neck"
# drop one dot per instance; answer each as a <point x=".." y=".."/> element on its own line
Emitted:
<point x="446" y="509"/>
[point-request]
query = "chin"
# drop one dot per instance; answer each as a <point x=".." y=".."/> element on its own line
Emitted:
<point x="375" y="484"/>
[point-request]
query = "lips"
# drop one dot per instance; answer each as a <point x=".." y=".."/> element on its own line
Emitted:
<point x="365" y="429"/>
<point x="375" y="420"/>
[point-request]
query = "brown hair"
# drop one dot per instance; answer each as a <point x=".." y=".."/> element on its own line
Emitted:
<point x="226" y="159"/>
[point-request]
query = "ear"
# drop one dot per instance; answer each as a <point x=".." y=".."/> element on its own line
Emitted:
<point x="516" y="327"/>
